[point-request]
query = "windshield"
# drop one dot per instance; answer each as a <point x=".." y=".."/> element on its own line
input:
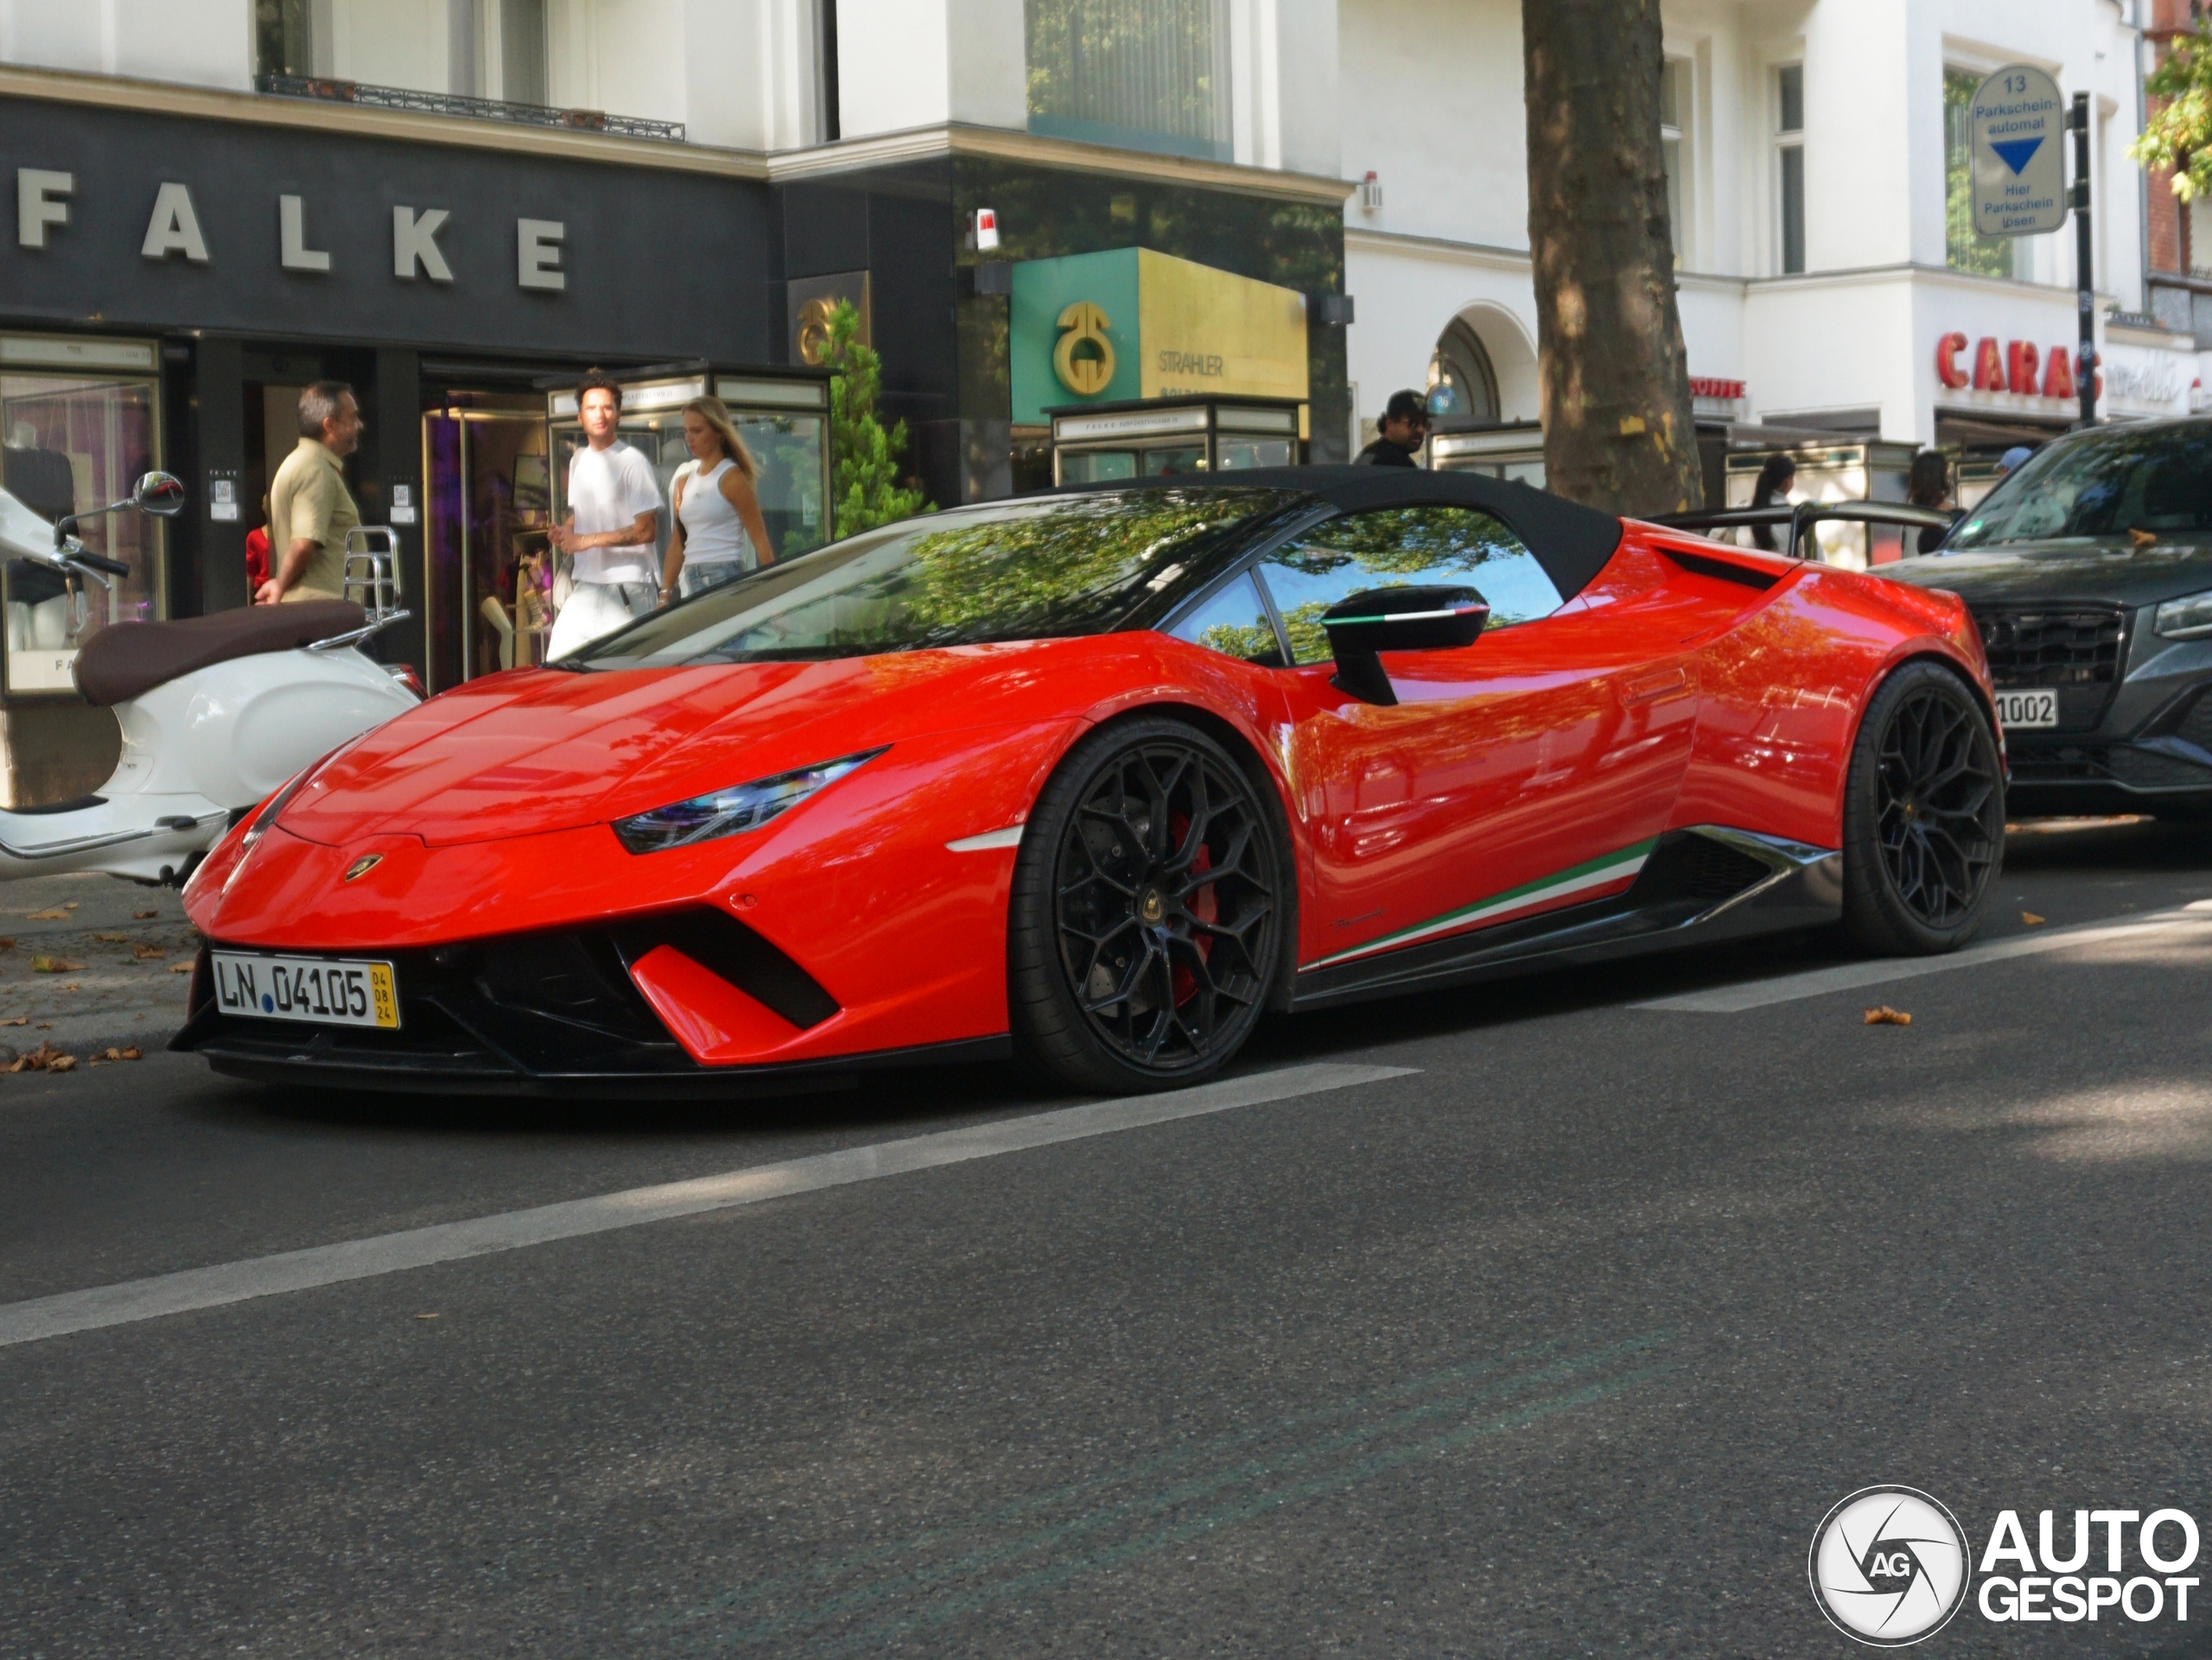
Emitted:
<point x="2099" y="487"/>
<point x="1039" y="569"/>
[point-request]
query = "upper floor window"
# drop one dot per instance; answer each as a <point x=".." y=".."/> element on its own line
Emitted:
<point x="1790" y="158"/>
<point x="284" y="38"/>
<point x="468" y="49"/>
<point x="1144" y="74"/>
<point x="1674" y="147"/>
<point x="1962" y="249"/>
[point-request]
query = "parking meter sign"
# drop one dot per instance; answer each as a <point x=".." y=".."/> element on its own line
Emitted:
<point x="2017" y="124"/>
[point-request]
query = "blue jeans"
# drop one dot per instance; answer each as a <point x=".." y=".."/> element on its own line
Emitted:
<point x="698" y="578"/>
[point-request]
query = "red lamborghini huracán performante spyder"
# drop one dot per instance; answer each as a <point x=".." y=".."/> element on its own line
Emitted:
<point x="1102" y="776"/>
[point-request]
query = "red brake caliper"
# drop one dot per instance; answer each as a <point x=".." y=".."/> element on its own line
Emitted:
<point x="1204" y="905"/>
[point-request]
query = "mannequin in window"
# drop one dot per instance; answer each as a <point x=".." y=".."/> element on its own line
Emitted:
<point x="39" y="478"/>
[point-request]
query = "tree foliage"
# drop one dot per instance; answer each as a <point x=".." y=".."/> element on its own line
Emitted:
<point x="865" y="456"/>
<point x="2178" y="135"/>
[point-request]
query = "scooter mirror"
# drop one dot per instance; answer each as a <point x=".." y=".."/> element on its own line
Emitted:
<point x="159" y="493"/>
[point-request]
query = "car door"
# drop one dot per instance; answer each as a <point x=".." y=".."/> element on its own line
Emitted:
<point x="1527" y="772"/>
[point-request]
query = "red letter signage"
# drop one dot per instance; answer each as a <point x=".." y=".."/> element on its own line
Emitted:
<point x="1988" y="371"/>
<point x="1947" y="360"/>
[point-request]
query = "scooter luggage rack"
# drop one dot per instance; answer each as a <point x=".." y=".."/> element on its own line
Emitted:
<point x="371" y="582"/>
<point x="372" y="569"/>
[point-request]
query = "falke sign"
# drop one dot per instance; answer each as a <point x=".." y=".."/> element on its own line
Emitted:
<point x="2018" y="368"/>
<point x="173" y="231"/>
<point x="144" y="220"/>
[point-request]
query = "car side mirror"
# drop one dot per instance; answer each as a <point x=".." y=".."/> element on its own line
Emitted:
<point x="159" y="493"/>
<point x="1376" y="620"/>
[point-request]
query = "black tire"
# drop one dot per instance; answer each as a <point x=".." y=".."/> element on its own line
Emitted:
<point x="1150" y="900"/>
<point x="1924" y="816"/>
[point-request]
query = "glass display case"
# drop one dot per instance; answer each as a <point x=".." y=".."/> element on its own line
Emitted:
<point x="1514" y="450"/>
<point x="1098" y="444"/>
<point x="79" y="425"/>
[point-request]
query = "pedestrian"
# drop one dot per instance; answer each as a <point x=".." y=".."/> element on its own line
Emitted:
<point x="310" y="509"/>
<point x="613" y="522"/>
<point x="257" y="551"/>
<point x="719" y="532"/>
<point x="1928" y="484"/>
<point x="2012" y="461"/>
<point x="1400" y="434"/>
<point x="1772" y="490"/>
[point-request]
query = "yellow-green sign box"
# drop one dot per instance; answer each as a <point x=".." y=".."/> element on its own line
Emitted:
<point x="1131" y="323"/>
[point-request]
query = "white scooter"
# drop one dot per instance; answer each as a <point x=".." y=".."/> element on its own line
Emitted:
<point x="214" y="713"/>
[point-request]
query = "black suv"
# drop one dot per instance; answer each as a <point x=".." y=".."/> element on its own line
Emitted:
<point x="2090" y="572"/>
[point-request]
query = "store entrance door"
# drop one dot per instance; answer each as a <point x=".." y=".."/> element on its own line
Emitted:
<point x="495" y="464"/>
<point x="781" y="416"/>
<point x="485" y="457"/>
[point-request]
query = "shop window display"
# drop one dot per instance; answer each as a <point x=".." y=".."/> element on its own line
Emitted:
<point x="69" y="444"/>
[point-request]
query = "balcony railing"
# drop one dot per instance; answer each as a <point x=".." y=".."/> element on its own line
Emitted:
<point x="479" y="109"/>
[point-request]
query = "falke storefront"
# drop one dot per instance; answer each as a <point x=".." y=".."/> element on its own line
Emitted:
<point x="174" y="282"/>
<point x="178" y="274"/>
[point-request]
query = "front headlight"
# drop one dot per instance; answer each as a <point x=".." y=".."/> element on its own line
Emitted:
<point x="2187" y="618"/>
<point x="728" y="812"/>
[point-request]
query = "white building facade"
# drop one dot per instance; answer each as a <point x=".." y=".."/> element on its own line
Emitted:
<point x="1826" y="281"/>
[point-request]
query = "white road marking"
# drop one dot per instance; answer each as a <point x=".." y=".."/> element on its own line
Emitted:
<point x="393" y="1253"/>
<point x="1008" y="837"/>
<point x="1847" y="976"/>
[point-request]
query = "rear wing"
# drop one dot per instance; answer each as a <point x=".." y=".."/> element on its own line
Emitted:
<point x="1804" y="515"/>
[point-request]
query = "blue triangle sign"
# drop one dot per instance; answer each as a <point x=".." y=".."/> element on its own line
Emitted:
<point x="2014" y="153"/>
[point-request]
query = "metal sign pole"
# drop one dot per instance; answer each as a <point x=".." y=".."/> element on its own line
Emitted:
<point x="2085" y="368"/>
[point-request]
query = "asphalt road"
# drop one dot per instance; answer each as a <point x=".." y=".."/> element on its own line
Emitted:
<point x="1560" y="1341"/>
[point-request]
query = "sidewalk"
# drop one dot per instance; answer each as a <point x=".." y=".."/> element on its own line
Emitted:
<point x="115" y="995"/>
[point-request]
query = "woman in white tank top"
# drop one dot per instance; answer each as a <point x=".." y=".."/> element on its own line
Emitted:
<point x="719" y="532"/>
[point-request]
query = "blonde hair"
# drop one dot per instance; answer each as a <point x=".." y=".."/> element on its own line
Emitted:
<point x="715" y="413"/>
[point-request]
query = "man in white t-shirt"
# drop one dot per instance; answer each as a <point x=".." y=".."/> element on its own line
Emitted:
<point x="612" y="524"/>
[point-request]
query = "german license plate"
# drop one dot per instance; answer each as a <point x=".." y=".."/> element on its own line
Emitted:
<point x="320" y="990"/>
<point x="2023" y="710"/>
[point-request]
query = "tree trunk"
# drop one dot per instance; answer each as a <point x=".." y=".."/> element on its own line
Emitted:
<point x="1616" y="390"/>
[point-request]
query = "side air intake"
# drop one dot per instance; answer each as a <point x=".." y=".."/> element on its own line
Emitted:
<point x="722" y="945"/>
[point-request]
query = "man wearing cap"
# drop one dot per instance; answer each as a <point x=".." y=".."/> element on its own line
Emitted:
<point x="1404" y="429"/>
<point x="2013" y="460"/>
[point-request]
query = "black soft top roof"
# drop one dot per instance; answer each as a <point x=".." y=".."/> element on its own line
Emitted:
<point x="1572" y="541"/>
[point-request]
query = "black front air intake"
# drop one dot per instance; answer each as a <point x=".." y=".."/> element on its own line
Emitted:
<point x="560" y="1001"/>
<point x="722" y="945"/>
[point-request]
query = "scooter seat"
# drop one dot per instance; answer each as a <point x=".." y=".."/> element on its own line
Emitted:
<point x="126" y="660"/>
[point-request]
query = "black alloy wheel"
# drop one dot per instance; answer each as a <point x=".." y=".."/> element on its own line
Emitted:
<point x="1924" y="816"/>
<point x="1149" y="910"/>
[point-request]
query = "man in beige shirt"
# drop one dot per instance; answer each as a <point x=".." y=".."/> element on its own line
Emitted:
<point x="310" y="509"/>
